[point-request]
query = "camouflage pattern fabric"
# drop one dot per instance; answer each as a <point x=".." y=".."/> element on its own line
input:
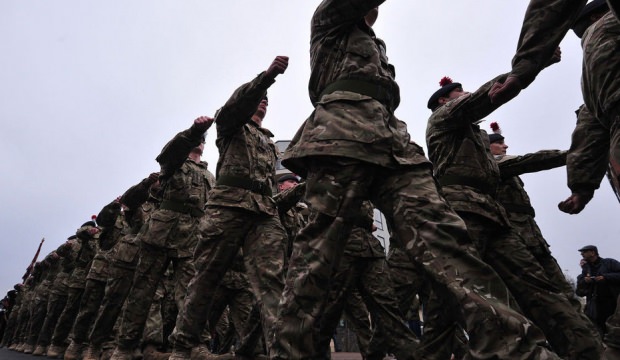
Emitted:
<point x="470" y="177"/>
<point x="92" y="297"/>
<point x="348" y="156"/>
<point x="238" y="218"/>
<point x="170" y="235"/>
<point x="363" y="267"/>
<point x="435" y="237"/>
<point x="544" y="26"/>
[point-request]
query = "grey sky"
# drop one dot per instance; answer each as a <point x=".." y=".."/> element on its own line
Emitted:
<point x="91" y="91"/>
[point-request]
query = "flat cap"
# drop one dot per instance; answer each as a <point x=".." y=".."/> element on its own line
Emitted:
<point x="588" y="247"/>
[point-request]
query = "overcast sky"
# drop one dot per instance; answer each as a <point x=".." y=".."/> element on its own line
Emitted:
<point x="91" y="91"/>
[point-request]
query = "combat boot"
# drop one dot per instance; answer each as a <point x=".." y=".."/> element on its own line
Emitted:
<point x="13" y="347"/>
<point x="150" y="352"/>
<point x="74" y="350"/>
<point x="106" y="354"/>
<point x="20" y="347"/>
<point x="122" y="354"/>
<point x="28" y="349"/>
<point x="55" y="351"/>
<point x="40" y="350"/>
<point x="92" y="352"/>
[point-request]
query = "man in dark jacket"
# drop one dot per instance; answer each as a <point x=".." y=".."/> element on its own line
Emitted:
<point x="599" y="282"/>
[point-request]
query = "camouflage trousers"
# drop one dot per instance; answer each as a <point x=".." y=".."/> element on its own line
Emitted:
<point x="152" y="265"/>
<point x="116" y="290"/>
<point x="154" y="327"/>
<point x="22" y="323"/>
<point x="55" y="305"/>
<point x="11" y="325"/>
<point x="223" y="231"/>
<point x="356" y="313"/>
<point x="568" y="332"/>
<point x="89" y="307"/>
<point x="67" y="317"/>
<point x="38" y="311"/>
<point x="443" y="335"/>
<point x="432" y="235"/>
<point x="370" y="277"/>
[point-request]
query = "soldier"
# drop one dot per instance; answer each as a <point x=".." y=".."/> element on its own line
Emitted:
<point x="596" y="138"/>
<point x="80" y="264"/>
<point x="171" y="232"/>
<point x="58" y="294"/>
<point x="352" y="148"/>
<point x="109" y="220"/>
<point x="139" y="200"/>
<point x="240" y="213"/>
<point x="469" y="176"/>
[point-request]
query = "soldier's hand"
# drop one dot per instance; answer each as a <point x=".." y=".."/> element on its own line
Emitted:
<point x="501" y="93"/>
<point x="556" y="58"/>
<point x="277" y="67"/>
<point x="153" y="177"/>
<point x="574" y="204"/>
<point x="203" y="123"/>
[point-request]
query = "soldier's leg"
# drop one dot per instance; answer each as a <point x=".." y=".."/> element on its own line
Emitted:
<point x="263" y="254"/>
<point x="356" y="313"/>
<point x="89" y="306"/>
<point x="435" y="237"/>
<point x="55" y="306"/>
<point x="37" y="319"/>
<point x="222" y="231"/>
<point x="540" y="299"/>
<point x="378" y="294"/>
<point x="151" y="267"/>
<point x="153" y="334"/>
<point x="67" y="317"/>
<point x="116" y="291"/>
<point x="335" y="188"/>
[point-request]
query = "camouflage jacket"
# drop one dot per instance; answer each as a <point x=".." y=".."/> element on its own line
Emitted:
<point x="185" y="186"/>
<point x="511" y="193"/>
<point x="460" y="152"/>
<point x="83" y="259"/>
<point x="293" y="212"/>
<point x="600" y="79"/>
<point x="247" y="153"/>
<point x="544" y="26"/>
<point x="344" y="49"/>
<point x="588" y="155"/>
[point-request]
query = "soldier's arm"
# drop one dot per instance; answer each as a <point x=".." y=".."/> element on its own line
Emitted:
<point x="107" y="215"/>
<point x="541" y="160"/>
<point x="288" y="198"/>
<point x="544" y="26"/>
<point x="331" y="14"/>
<point x="139" y="193"/>
<point x="473" y="107"/>
<point x="175" y="152"/>
<point x="240" y="107"/>
<point x="588" y="155"/>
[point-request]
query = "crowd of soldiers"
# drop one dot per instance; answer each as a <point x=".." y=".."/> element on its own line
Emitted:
<point x="246" y="265"/>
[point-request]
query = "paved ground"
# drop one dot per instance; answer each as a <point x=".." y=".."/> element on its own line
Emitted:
<point x="6" y="354"/>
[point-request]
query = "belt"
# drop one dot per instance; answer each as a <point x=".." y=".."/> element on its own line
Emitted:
<point x="180" y="207"/>
<point x="477" y="184"/>
<point x="259" y="187"/>
<point x="376" y="91"/>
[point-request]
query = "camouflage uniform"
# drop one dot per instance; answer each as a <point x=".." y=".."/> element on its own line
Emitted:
<point x="544" y="27"/>
<point x="363" y="267"/>
<point x="600" y="83"/>
<point x="170" y="234"/>
<point x="240" y="214"/>
<point x="352" y="149"/>
<point x="442" y="336"/>
<point x="80" y="261"/>
<point x="58" y="292"/>
<point x="38" y="306"/>
<point x="111" y="221"/>
<point x="513" y="197"/>
<point x="123" y="261"/>
<point x="470" y="176"/>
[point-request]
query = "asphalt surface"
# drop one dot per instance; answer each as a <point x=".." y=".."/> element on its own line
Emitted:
<point x="6" y="354"/>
